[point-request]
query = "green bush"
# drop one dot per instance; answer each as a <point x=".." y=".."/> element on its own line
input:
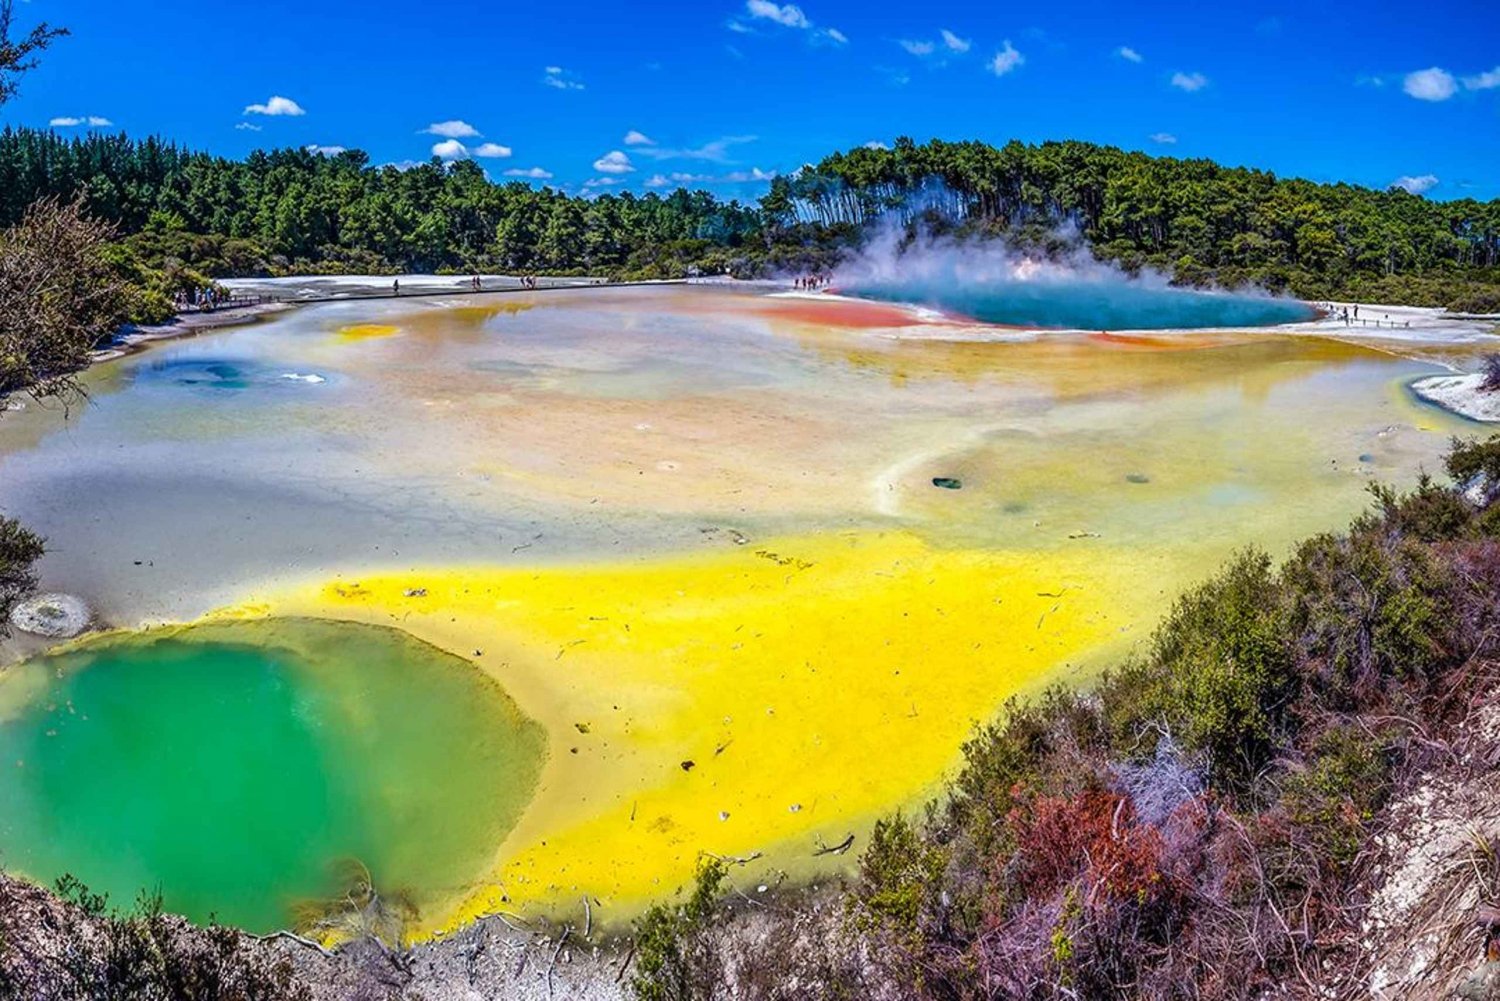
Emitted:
<point x="1218" y="678"/>
<point x="672" y="959"/>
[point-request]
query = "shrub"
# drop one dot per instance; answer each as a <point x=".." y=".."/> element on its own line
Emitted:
<point x="675" y="961"/>
<point x="1218" y="678"/>
<point x="1367" y="609"/>
<point x="19" y="549"/>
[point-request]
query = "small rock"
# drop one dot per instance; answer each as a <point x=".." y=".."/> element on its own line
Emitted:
<point x="947" y="483"/>
<point x="1137" y="478"/>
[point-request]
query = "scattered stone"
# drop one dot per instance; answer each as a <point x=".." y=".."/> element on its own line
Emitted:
<point x="1367" y="458"/>
<point x="947" y="483"/>
<point x="581" y="727"/>
<point x="1137" y="478"/>
<point x="415" y="592"/>
<point x="689" y="765"/>
<point x="55" y="616"/>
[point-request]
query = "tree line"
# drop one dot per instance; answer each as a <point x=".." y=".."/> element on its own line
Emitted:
<point x="1201" y="223"/>
<point x="1195" y="220"/>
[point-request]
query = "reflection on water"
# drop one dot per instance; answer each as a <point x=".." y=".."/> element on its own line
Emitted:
<point x="679" y="517"/>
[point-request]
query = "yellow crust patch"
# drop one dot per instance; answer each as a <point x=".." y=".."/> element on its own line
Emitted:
<point x="759" y="699"/>
<point x="367" y="331"/>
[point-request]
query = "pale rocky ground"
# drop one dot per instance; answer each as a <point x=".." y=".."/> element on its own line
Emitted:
<point x="1421" y="939"/>
<point x="1462" y="394"/>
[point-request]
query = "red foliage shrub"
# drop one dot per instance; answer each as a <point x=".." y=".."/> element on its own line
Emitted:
<point x="1093" y="835"/>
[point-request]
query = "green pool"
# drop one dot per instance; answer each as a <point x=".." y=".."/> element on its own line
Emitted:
<point x="244" y="769"/>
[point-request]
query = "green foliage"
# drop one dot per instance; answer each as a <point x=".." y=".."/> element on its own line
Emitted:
<point x="670" y="962"/>
<point x="1335" y="793"/>
<point x="896" y="873"/>
<point x="73" y="890"/>
<point x="1470" y="459"/>
<point x="1192" y="219"/>
<point x="19" y="549"/>
<point x="18" y="54"/>
<point x="1218" y="679"/>
<point x="1429" y="513"/>
<point x="1368" y="609"/>
<point x="296" y="211"/>
<point x="60" y="295"/>
<point x="293" y="210"/>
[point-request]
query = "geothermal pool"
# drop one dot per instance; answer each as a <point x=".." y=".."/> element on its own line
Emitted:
<point x="246" y="769"/>
<point x="656" y="571"/>
<point x="1070" y="304"/>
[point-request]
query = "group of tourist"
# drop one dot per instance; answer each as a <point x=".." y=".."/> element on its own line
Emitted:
<point x="1349" y="315"/>
<point x="813" y="281"/>
<point x="204" y="299"/>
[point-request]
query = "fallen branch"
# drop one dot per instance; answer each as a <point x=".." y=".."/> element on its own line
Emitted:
<point x="293" y="937"/>
<point x="838" y="849"/>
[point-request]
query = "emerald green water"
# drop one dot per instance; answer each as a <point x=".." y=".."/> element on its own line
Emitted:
<point x="237" y="768"/>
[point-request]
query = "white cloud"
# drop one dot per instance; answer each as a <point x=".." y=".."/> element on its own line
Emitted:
<point x="713" y="152"/>
<point x="733" y="177"/>
<point x="1128" y="54"/>
<point x="876" y="144"/>
<point x="614" y="162"/>
<point x="1432" y="84"/>
<point x="897" y="77"/>
<point x="1416" y="185"/>
<point x="248" y="127"/>
<point x="325" y="150"/>
<point x="1006" y="59"/>
<point x="955" y="43"/>
<point x="753" y="174"/>
<point x="787" y="14"/>
<point x="634" y="138"/>
<point x="601" y="182"/>
<point x="277" y="105"/>
<point x="666" y="180"/>
<point x="1165" y="138"/>
<point x="1483" y="81"/>
<point x="450" y="149"/>
<point x="492" y="151"/>
<point x="1189" y="82"/>
<point x="453" y="129"/>
<point x="917" y="48"/>
<point x="556" y="76"/>
<point x="69" y="122"/>
<point x="535" y="173"/>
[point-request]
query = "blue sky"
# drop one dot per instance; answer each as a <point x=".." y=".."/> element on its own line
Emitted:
<point x="610" y="94"/>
